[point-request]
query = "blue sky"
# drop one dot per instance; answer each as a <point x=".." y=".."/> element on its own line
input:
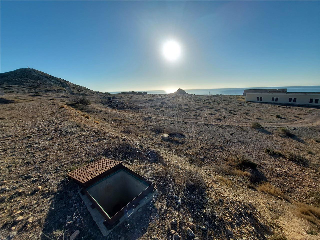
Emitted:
<point x="114" y="46"/>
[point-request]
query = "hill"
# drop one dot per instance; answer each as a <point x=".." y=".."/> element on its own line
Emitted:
<point x="29" y="80"/>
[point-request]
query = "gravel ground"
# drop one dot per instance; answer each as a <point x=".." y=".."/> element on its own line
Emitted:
<point x="223" y="168"/>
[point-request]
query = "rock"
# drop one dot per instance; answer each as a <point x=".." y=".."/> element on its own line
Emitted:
<point x="176" y="237"/>
<point x="190" y="233"/>
<point x="174" y="224"/>
<point x="180" y="92"/>
<point x="191" y="225"/>
<point x="165" y="137"/>
<point x="74" y="235"/>
<point x="19" y="218"/>
<point x="203" y="228"/>
<point x="12" y="234"/>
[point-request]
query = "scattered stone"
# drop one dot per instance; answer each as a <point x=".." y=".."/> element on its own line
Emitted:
<point x="191" y="225"/>
<point x="165" y="137"/>
<point x="190" y="233"/>
<point x="203" y="228"/>
<point x="176" y="237"/>
<point x="19" y="218"/>
<point x="174" y="224"/>
<point x="2" y="199"/>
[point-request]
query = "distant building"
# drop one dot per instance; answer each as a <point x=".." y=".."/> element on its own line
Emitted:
<point x="282" y="96"/>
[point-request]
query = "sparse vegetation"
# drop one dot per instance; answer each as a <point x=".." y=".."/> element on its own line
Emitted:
<point x="310" y="213"/>
<point x="298" y="159"/>
<point x="80" y="101"/>
<point x="278" y="237"/>
<point x="244" y="163"/>
<point x="273" y="153"/>
<point x="286" y="132"/>
<point x="219" y="179"/>
<point x="256" y="125"/>
<point x="272" y="190"/>
<point x="312" y="232"/>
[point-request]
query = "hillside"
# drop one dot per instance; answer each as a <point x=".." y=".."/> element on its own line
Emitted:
<point x="224" y="168"/>
<point x="29" y="80"/>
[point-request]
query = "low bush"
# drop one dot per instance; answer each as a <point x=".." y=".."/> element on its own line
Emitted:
<point x="256" y="125"/>
<point x="79" y="103"/>
<point x="245" y="163"/>
<point x="273" y="153"/>
<point x="286" y="132"/>
<point x="298" y="159"/>
<point x="272" y="190"/>
<point x="310" y="213"/>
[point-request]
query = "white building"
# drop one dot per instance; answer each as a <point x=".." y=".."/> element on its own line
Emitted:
<point x="282" y="96"/>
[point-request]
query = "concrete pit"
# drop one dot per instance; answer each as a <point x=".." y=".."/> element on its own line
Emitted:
<point x="116" y="191"/>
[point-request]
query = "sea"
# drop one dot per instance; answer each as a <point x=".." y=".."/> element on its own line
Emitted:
<point x="236" y="91"/>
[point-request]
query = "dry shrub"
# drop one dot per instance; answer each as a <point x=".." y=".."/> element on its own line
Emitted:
<point x="240" y="162"/>
<point x="298" y="159"/>
<point x="242" y="166"/>
<point x="273" y="153"/>
<point x="240" y="173"/>
<point x="256" y="125"/>
<point x="224" y="180"/>
<point x="278" y="237"/>
<point x="284" y="132"/>
<point x="272" y="190"/>
<point x="310" y="213"/>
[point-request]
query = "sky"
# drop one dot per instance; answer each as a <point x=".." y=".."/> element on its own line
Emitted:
<point x="117" y="46"/>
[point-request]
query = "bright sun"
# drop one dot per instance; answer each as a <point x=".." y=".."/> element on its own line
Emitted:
<point x="171" y="50"/>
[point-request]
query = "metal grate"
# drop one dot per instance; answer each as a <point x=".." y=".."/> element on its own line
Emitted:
<point x="87" y="173"/>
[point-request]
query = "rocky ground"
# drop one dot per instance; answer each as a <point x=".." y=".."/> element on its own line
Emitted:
<point x="224" y="168"/>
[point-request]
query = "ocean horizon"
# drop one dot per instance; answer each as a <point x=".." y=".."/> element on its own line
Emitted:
<point x="233" y="91"/>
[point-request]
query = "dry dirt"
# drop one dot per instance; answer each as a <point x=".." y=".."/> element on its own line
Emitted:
<point x="224" y="168"/>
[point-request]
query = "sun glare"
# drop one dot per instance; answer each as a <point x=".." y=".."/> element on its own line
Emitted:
<point x="171" y="50"/>
<point x="170" y="90"/>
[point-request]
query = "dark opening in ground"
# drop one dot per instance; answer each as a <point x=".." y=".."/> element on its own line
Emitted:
<point x="116" y="191"/>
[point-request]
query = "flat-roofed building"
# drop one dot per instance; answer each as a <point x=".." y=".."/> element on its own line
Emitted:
<point x="282" y="96"/>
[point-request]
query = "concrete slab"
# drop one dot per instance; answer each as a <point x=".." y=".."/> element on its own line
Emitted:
<point x="99" y="219"/>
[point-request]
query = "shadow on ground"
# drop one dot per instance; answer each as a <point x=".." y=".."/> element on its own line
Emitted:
<point x="262" y="130"/>
<point x="67" y="214"/>
<point x="218" y="219"/>
<point x="5" y="101"/>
